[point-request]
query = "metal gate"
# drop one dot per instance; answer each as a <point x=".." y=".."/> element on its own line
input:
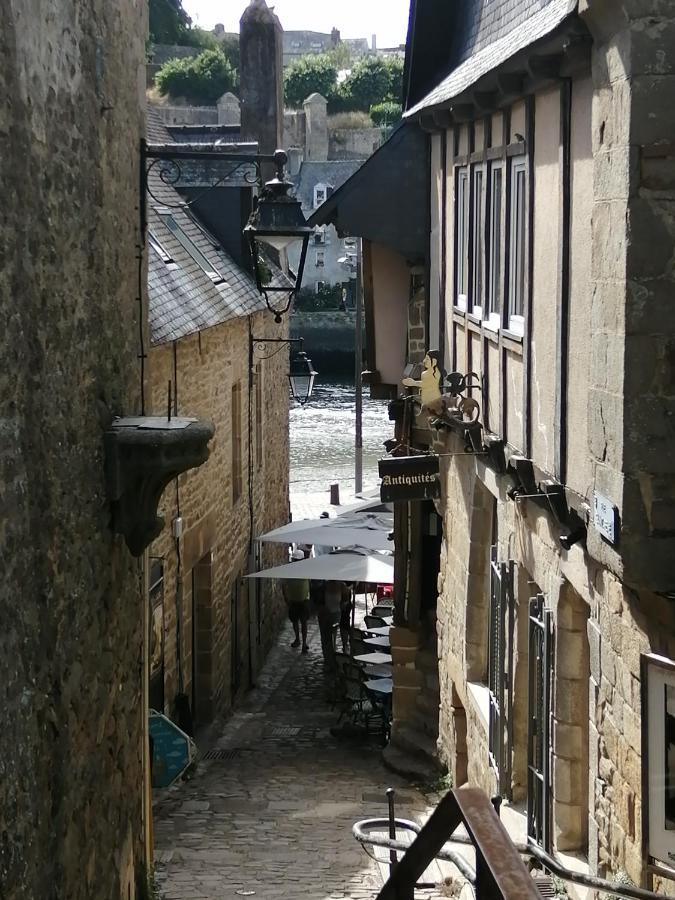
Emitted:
<point x="500" y="670"/>
<point x="540" y="671"/>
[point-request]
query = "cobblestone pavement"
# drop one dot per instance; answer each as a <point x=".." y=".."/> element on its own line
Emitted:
<point x="272" y="818"/>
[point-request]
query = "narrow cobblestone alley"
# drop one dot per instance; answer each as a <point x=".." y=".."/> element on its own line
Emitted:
<point x="272" y="818"/>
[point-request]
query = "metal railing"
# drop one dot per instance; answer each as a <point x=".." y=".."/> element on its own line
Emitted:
<point x="500" y="872"/>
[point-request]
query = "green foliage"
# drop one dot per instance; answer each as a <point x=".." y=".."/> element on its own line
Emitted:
<point x="201" y="79"/>
<point x="198" y="37"/>
<point x="387" y="113"/>
<point x="373" y="80"/>
<point x="308" y="75"/>
<point x="327" y="298"/>
<point x="340" y="54"/>
<point x="230" y="47"/>
<point x="169" y="23"/>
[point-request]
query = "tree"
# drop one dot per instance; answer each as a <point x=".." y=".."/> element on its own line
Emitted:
<point x="386" y="113"/>
<point x="201" y="79"/>
<point x="169" y="22"/>
<point x="373" y="80"/>
<point x="309" y="75"/>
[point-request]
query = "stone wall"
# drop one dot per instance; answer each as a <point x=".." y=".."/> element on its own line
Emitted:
<point x="354" y="143"/>
<point x="329" y="338"/>
<point x="214" y="549"/>
<point x="600" y="628"/>
<point x="70" y="594"/>
<point x="632" y="383"/>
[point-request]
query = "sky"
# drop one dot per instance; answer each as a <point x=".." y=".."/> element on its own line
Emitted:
<point x="388" y="19"/>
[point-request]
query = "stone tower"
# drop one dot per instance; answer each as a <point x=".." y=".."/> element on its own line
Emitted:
<point x="316" y="119"/>
<point x="261" y="76"/>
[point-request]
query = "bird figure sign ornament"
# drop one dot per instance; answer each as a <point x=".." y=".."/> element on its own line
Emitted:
<point x="448" y="407"/>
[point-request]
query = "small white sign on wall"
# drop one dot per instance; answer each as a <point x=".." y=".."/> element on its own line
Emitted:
<point x="605" y="517"/>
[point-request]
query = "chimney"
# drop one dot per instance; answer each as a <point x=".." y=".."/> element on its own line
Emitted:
<point x="373" y="42"/>
<point x="316" y="128"/>
<point x="261" y="78"/>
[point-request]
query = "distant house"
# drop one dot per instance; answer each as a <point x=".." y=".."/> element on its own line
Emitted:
<point x="315" y="183"/>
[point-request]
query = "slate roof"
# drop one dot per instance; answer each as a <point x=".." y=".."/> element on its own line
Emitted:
<point x="387" y="198"/>
<point x="182" y="298"/>
<point x="489" y="33"/>
<point x="332" y="172"/>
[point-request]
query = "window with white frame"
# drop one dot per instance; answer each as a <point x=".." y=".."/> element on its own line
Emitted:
<point x="320" y="259"/>
<point x="494" y="256"/>
<point x="517" y="249"/>
<point x="477" y="244"/>
<point x="462" y="241"/>
<point x="319" y="194"/>
<point x="319" y="235"/>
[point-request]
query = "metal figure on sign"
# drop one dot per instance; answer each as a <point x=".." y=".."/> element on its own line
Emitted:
<point x="448" y="407"/>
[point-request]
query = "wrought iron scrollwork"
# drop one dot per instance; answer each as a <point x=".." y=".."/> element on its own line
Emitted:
<point x="170" y="172"/>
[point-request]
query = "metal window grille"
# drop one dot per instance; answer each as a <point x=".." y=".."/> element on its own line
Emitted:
<point x="540" y="672"/>
<point x="500" y="670"/>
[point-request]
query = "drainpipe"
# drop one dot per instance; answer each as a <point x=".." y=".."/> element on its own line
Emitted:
<point x="358" y="376"/>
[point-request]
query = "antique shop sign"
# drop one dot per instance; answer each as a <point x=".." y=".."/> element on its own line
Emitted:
<point x="409" y="478"/>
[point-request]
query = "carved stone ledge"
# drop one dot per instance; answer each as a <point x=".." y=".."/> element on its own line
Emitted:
<point x="143" y="454"/>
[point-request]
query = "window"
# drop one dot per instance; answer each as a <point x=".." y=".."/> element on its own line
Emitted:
<point x="500" y="669"/>
<point x="236" y="442"/>
<point x="319" y="194"/>
<point x="320" y="258"/>
<point x="492" y="313"/>
<point x="320" y="285"/>
<point x="188" y="244"/>
<point x="477" y="244"/>
<point x="462" y="240"/>
<point x="258" y="416"/>
<point x="319" y="236"/>
<point x="517" y="255"/>
<point x="160" y="251"/>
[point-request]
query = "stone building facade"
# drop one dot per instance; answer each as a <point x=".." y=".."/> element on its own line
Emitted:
<point x="548" y="272"/>
<point x="227" y="625"/>
<point x="71" y="118"/>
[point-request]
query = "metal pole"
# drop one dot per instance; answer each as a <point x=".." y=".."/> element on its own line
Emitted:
<point x="358" y="368"/>
<point x="393" y="858"/>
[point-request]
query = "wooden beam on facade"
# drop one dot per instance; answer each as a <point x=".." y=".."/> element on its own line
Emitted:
<point x="562" y="317"/>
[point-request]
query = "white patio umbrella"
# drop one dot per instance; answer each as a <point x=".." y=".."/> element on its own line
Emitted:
<point x="341" y="565"/>
<point x="357" y="530"/>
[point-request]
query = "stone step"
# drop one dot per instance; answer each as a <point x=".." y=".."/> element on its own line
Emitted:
<point x="416" y="768"/>
<point x="416" y="742"/>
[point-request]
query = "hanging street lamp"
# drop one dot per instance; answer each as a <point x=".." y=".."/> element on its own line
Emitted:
<point x="277" y="222"/>
<point x="301" y="373"/>
<point x="301" y="377"/>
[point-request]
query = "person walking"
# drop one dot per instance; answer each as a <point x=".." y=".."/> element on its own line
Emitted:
<point x="328" y="615"/>
<point x="296" y="595"/>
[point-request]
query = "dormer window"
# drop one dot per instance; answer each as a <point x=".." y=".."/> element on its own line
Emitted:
<point x="320" y="194"/>
<point x="319" y="236"/>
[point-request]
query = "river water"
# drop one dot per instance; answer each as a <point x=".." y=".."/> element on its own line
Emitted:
<point x="322" y="439"/>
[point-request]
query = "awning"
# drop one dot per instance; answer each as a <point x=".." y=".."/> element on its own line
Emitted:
<point x="368" y="530"/>
<point x="341" y="565"/>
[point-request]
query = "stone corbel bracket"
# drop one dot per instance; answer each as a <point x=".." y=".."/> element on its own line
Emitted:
<point x="143" y="454"/>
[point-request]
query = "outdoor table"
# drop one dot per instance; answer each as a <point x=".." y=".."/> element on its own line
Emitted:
<point x="374" y="659"/>
<point x="381" y="685"/>
<point x="377" y="641"/>
<point x="380" y="629"/>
